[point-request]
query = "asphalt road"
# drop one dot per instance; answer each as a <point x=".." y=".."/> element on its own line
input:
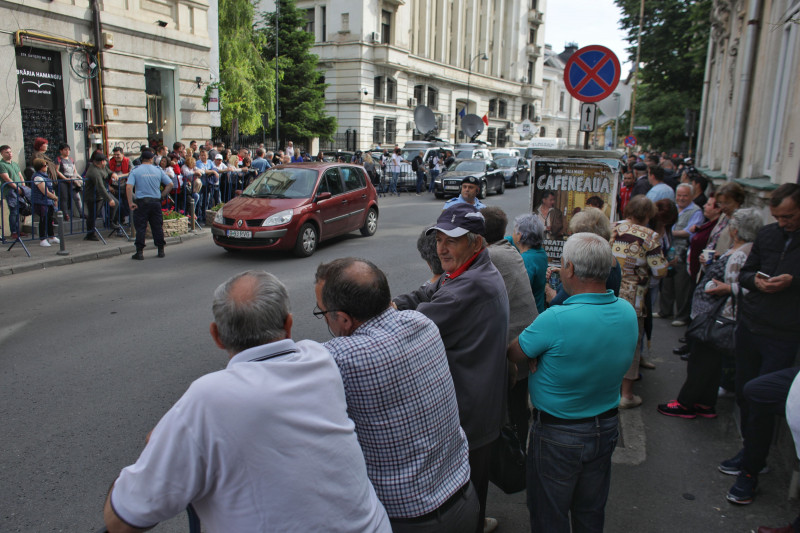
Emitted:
<point x="92" y="354"/>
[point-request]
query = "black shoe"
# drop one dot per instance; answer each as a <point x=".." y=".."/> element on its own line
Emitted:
<point x="682" y="340"/>
<point x="91" y="237"/>
<point x="681" y="350"/>
<point x="744" y="490"/>
<point x="138" y="256"/>
<point x="161" y="252"/>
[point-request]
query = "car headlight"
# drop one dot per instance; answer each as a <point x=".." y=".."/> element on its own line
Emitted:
<point x="279" y="218"/>
<point x="218" y="217"/>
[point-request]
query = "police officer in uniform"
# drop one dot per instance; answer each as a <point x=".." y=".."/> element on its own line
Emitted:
<point x="146" y="181"/>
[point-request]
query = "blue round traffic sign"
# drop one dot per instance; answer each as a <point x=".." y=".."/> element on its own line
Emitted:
<point x="592" y="73"/>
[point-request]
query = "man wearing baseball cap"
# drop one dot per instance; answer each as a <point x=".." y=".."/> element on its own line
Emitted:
<point x="469" y="194"/>
<point x="147" y="179"/>
<point x="470" y="307"/>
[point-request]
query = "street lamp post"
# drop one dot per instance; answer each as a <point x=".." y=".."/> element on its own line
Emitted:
<point x="483" y="57"/>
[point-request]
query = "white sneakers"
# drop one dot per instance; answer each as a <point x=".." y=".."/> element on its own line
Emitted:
<point x="44" y="243"/>
<point x="48" y="242"/>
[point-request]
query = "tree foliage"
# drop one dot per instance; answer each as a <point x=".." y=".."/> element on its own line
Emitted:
<point x="247" y="81"/>
<point x="301" y="87"/>
<point x="674" y="43"/>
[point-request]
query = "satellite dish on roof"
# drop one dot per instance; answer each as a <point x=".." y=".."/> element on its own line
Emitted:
<point x="472" y="126"/>
<point x="425" y="121"/>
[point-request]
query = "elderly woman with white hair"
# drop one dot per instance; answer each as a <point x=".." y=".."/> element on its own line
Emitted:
<point x="527" y="238"/>
<point x="590" y="220"/>
<point x="698" y="395"/>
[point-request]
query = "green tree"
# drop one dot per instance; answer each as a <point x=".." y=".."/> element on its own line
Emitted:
<point x="674" y="43"/>
<point x="301" y="98"/>
<point x="247" y="81"/>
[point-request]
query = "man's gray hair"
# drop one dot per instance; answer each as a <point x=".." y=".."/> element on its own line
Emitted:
<point x="591" y="220"/>
<point x="590" y="254"/>
<point x="687" y="185"/>
<point x="530" y="229"/>
<point x="747" y="222"/>
<point x="253" y="321"/>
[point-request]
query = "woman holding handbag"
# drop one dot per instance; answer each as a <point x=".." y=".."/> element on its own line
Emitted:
<point x="714" y="303"/>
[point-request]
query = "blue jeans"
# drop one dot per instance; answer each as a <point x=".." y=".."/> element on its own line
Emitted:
<point x="420" y="180"/>
<point x="432" y="184"/>
<point x="569" y="473"/>
<point x="393" y="184"/>
<point x="13" y="208"/>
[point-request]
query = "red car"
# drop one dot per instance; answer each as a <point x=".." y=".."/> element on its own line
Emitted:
<point x="297" y="206"/>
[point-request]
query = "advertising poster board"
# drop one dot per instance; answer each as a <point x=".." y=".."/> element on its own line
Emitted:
<point x="41" y="85"/>
<point x="560" y="189"/>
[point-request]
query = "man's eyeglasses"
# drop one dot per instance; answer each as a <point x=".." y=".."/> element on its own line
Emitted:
<point x="319" y="313"/>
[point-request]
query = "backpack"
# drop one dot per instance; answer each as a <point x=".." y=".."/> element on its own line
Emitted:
<point x="24" y="205"/>
<point x="415" y="164"/>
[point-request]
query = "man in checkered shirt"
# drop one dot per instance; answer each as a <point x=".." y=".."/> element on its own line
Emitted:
<point x="400" y="395"/>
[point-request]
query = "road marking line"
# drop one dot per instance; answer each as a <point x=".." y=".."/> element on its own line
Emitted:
<point x="631" y="428"/>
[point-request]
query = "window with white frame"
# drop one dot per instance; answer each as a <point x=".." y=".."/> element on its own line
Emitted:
<point x="782" y="88"/>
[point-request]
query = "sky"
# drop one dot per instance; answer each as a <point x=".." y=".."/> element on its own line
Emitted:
<point x="585" y="22"/>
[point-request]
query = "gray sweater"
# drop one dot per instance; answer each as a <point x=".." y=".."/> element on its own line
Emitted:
<point x="472" y="314"/>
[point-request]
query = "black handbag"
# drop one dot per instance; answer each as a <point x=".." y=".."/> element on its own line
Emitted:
<point x="507" y="461"/>
<point x="714" y="329"/>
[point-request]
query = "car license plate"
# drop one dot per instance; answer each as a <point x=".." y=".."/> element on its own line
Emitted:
<point x="238" y="234"/>
<point x="452" y="187"/>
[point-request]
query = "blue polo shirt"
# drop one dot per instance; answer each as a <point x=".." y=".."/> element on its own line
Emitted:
<point x="147" y="181"/>
<point x="584" y="347"/>
<point x="460" y="200"/>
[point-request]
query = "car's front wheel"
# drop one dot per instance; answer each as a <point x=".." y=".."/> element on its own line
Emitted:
<point x="502" y="188"/>
<point x="307" y="240"/>
<point x="370" y="224"/>
<point x="513" y="183"/>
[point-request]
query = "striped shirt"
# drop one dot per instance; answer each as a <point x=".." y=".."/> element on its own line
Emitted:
<point x="400" y="395"/>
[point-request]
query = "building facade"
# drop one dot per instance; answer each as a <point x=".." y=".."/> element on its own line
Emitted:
<point x="749" y="128"/>
<point x="382" y="58"/>
<point x="560" y="110"/>
<point x="106" y="73"/>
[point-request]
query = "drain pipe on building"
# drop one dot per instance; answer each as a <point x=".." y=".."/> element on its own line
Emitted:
<point x="740" y="118"/>
<point x="699" y="156"/>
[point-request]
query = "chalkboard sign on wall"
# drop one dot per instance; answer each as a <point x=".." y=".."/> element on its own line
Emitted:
<point x="41" y="94"/>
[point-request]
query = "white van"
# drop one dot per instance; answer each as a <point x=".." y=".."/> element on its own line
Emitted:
<point x="505" y="152"/>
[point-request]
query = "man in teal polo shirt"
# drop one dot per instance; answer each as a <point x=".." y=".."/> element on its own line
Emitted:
<point x="147" y="180"/>
<point x="574" y="387"/>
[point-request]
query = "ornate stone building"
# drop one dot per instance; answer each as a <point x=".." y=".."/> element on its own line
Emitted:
<point x="384" y="57"/>
<point x="106" y="72"/>
<point x="749" y="128"/>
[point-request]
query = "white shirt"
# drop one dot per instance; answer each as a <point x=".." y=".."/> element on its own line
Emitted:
<point x="396" y="162"/>
<point x="260" y="446"/>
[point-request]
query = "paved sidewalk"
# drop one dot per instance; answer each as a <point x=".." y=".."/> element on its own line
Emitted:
<point x="16" y="261"/>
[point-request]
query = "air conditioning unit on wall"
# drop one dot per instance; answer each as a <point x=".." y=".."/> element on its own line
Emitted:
<point x="374" y="37"/>
<point x="412" y="102"/>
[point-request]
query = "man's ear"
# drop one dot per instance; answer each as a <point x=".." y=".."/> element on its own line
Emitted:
<point x="287" y="325"/>
<point x="215" y="335"/>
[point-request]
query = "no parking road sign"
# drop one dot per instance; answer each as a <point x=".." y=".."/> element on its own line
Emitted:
<point x="592" y="73"/>
<point x="630" y="140"/>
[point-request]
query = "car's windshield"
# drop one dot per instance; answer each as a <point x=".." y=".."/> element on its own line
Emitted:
<point x="470" y="166"/>
<point x="506" y="162"/>
<point x="283" y="183"/>
<point x="464" y="154"/>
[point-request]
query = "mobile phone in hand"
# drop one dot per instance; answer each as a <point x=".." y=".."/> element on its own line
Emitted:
<point x="762" y="275"/>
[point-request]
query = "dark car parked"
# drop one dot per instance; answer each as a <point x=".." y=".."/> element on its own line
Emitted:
<point x="515" y="170"/>
<point x="298" y="206"/>
<point x="486" y="170"/>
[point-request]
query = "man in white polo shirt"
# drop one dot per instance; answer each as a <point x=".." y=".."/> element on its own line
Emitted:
<point x="263" y="445"/>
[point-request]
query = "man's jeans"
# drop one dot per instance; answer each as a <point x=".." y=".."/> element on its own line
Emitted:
<point x="13" y="209"/>
<point x="569" y="472"/>
<point x="420" y="180"/>
<point x="393" y="184"/>
<point x="432" y="184"/>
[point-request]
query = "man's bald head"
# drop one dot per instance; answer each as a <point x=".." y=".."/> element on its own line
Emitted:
<point x="250" y="309"/>
<point x="354" y="286"/>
